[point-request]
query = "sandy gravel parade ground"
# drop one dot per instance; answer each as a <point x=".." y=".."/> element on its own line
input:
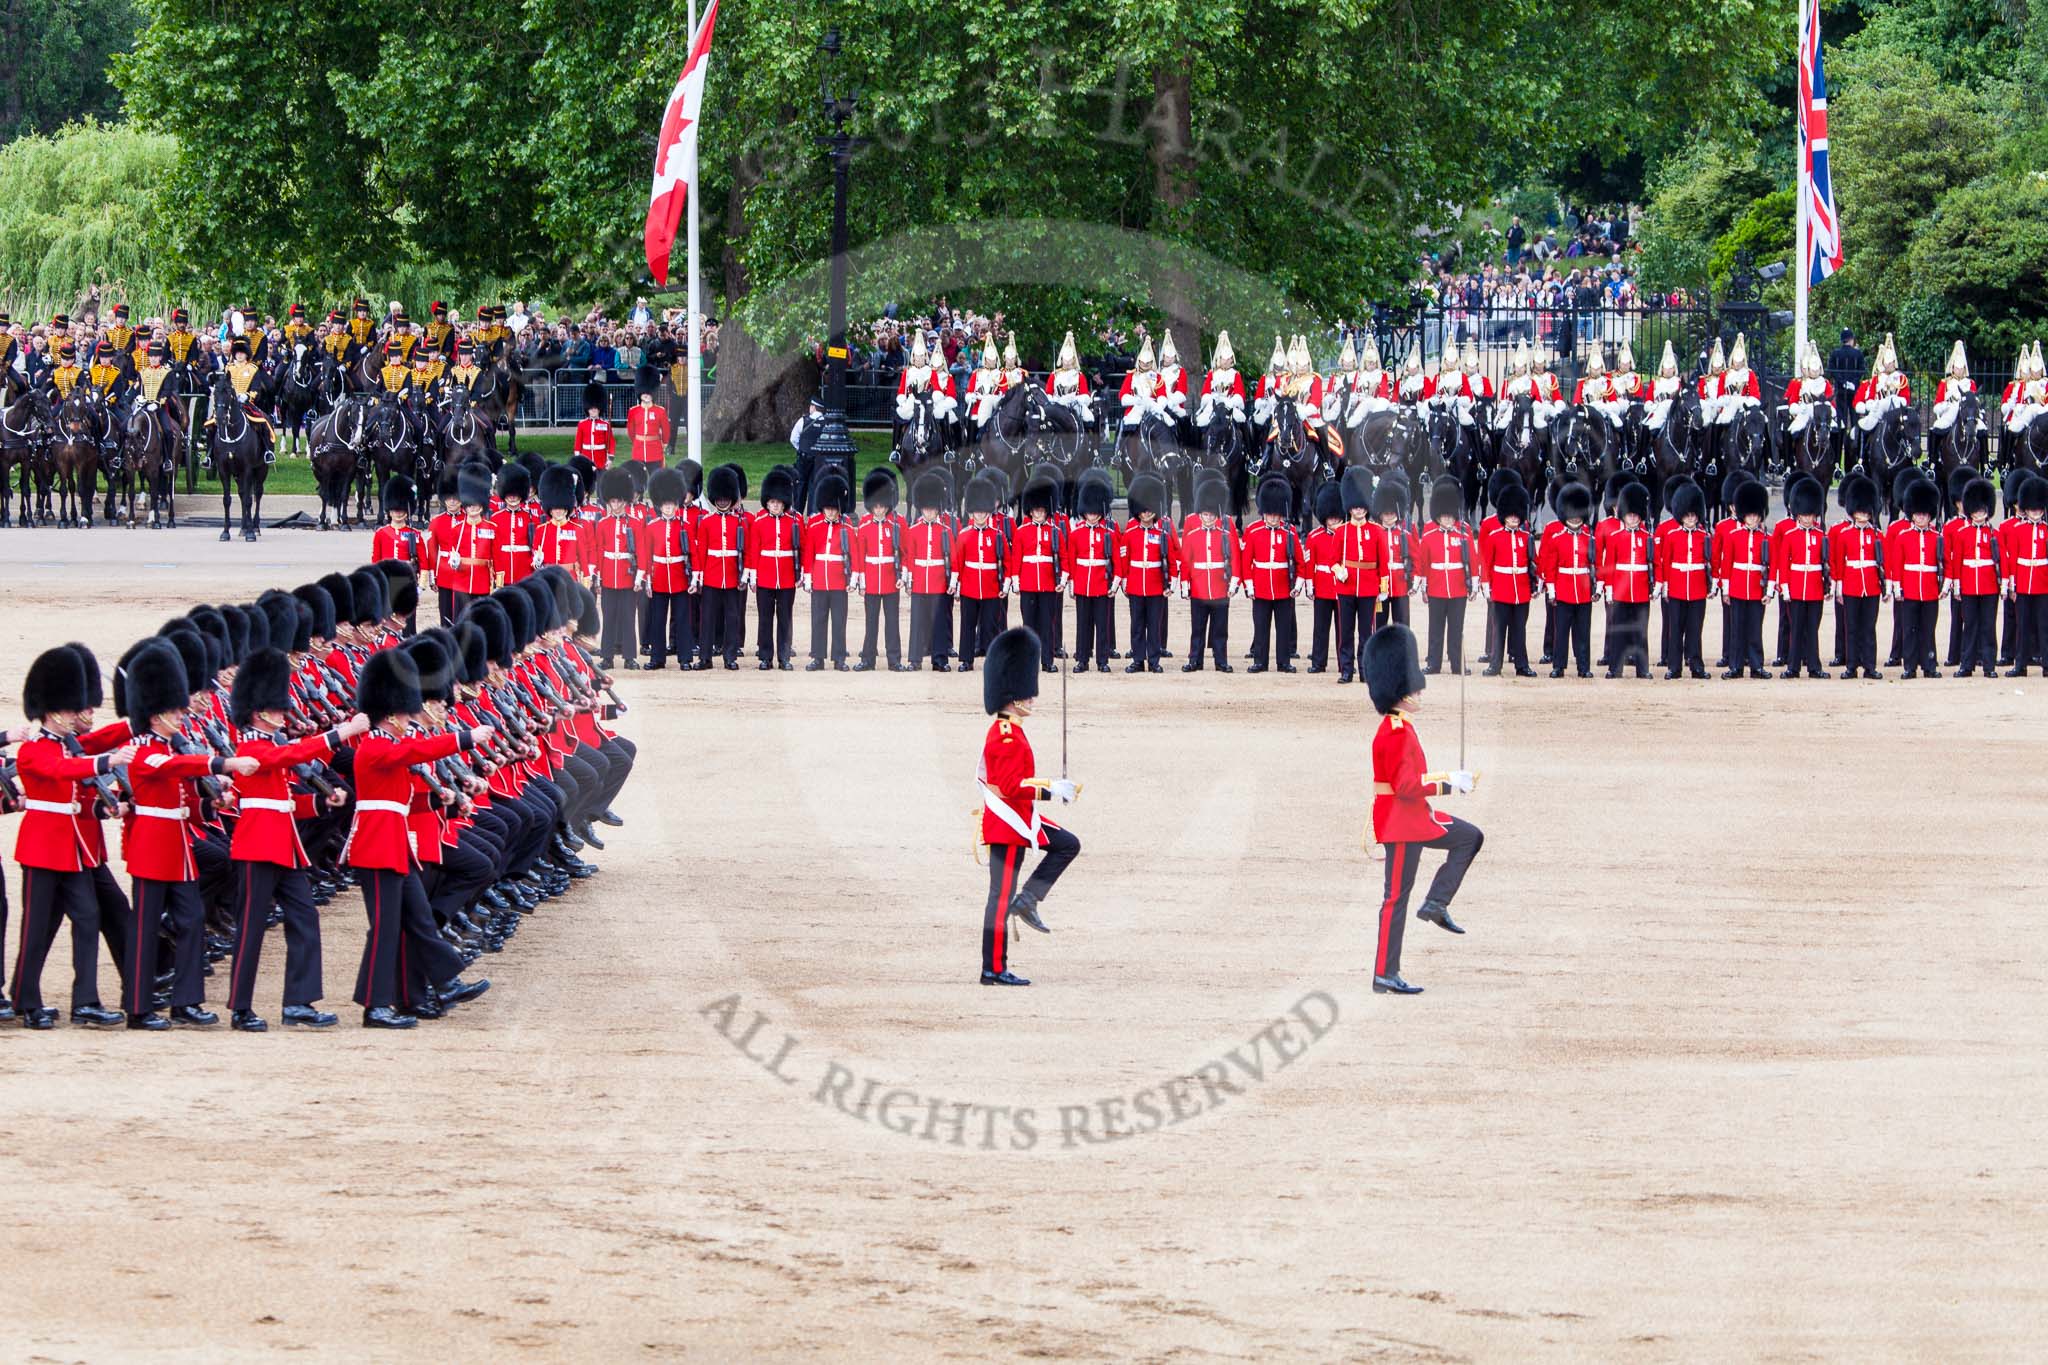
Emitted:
<point x="1741" y="1058"/>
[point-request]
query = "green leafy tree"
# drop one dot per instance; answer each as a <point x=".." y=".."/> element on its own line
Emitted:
<point x="53" y="61"/>
<point x="1984" y="252"/>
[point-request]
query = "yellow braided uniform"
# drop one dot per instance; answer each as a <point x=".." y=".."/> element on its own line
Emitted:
<point x="104" y="377"/>
<point x="395" y="377"/>
<point x="151" y="379"/>
<point x="181" y="346"/>
<point x="64" y="378"/>
<point x="360" y="330"/>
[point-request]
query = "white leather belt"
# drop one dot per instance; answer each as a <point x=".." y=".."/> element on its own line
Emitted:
<point x="1923" y="568"/>
<point x="1103" y="563"/>
<point x="388" y="807"/>
<point x="833" y="558"/>
<point x="282" y="807"/>
<point x="777" y="554"/>
<point x="724" y="554"/>
<point x="164" y="812"/>
<point x="617" y="554"/>
<point x="891" y="559"/>
<point x="1688" y="568"/>
<point x="980" y="564"/>
<point x="2031" y="563"/>
<point x="1979" y="563"/>
<point x="1144" y="563"/>
<point x="1038" y="559"/>
<point x="667" y="559"/>
<point x="515" y="548"/>
<point x="1632" y="568"/>
<point x="1859" y="563"/>
<point x="929" y="563"/>
<point x="1752" y="568"/>
<point x="53" y="807"/>
<point x="1003" y="811"/>
<point x="1445" y="568"/>
<point x="1575" y="571"/>
<point x="1269" y="563"/>
<point x="1210" y="564"/>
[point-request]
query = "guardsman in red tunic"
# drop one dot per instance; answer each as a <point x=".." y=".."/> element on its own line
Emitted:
<point x="1402" y="820"/>
<point x="1323" y="550"/>
<point x="563" y="538"/>
<point x="1628" y="570"/>
<point x="1684" y="564"/>
<point x="774" y="540"/>
<point x="828" y="565"/>
<point x="1397" y="550"/>
<point x="2023" y="561"/>
<point x="878" y="555"/>
<point x="1147" y="564"/>
<point x="1913" y="550"/>
<point x="270" y="861"/>
<point x="647" y="427"/>
<point x="928" y="560"/>
<point x="594" y="439"/>
<point x="59" y="842"/>
<point x="1271" y="565"/>
<point x="1091" y="570"/>
<point x="514" y="523"/>
<point x="718" y="568"/>
<point x="1346" y="558"/>
<point x="665" y="570"/>
<point x="1799" y="569"/>
<point x="1974" y="580"/>
<point x="1037" y="552"/>
<point x="381" y="846"/>
<point x="472" y="550"/>
<point x="398" y="538"/>
<point x="618" y="570"/>
<point x="1567" y="563"/>
<point x="1449" y="566"/>
<point x="1742" y="570"/>
<point x="1856" y="568"/>
<point x="1011" y="789"/>
<point x="1208" y="564"/>
<point x="440" y="535"/>
<point x="1505" y="567"/>
<point x="979" y="553"/>
<point x="157" y="840"/>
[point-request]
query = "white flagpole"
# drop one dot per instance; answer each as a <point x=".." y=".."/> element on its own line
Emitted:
<point x="1800" y="266"/>
<point x="695" y="409"/>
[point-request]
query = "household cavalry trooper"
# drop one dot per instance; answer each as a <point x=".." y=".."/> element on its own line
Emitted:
<point x="1521" y="383"/>
<point x="1811" y="388"/>
<point x="1014" y="373"/>
<point x="2026" y="397"/>
<point x="924" y="380"/>
<point x="1144" y="393"/>
<point x="1415" y="388"/>
<point x="986" y="388"/>
<point x="1222" y="386"/>
<point x="1953" y="388"/>
<point x="1338" y="385"/>
<point x="1068" y="386"/>
<point x="1009" y="824"/>
<point x="1739" y="387"/>
<point x="1173" y="379"/>
<point x="1374" y="389"/>
<point x="1267" y="396"/>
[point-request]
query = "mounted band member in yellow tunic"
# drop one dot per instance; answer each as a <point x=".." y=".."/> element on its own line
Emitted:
<point x="396" y="375"/>
<point x="65" y="374"/>
<point x="296" y="330"/>
<point x="440" y="332"/>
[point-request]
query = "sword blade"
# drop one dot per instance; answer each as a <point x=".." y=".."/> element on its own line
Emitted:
<point x="1063" y="715"/>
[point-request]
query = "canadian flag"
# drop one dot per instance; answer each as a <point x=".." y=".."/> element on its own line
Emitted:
<point x="675" y="158"/>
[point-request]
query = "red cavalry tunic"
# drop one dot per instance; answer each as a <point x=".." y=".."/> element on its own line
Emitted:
<point x="828" y="554"/>
<point x="1091" y="559"/>
<point x="1626" y="567"/>
<point x="1446" y="562"/>
<point x="1915" y="554"/>
<point x="665" y="554"/>
<point x="1207" y="560"/>
<point x="515" y="527"/>
<point x="471" y="551"/>
<point x="1401" y="812"/>
<point x="772" y="544"/>
<point x="1270" y="559"/>
<point x="156" y="841"/>
<point x="978" y="560"/>
<point x="1035" y="554"/>
<point x="1800" y="562"/>
<point x="1504" y="565"/>
<point x="1009" y="809"/>
<point x="1856" y="558"/>
<point x="878" y="554"/>
<point x="595" y="442"/>
<point x="647" y="426"/>
<point x="1973" y="559"/>
<point x="1146" y="559"/>
<point x="266" y="830"/>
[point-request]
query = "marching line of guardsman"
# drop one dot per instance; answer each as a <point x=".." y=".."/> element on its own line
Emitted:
<point x="674" y="560"/>
<point x="263" y="757"/>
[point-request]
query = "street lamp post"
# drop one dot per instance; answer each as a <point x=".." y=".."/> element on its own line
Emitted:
<point x="834" y="444"/>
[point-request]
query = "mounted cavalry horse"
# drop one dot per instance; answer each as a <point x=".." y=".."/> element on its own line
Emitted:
<point x="339" y="446"/>
<point x="150" y="445"/>
<point x="26" y="425"/>
<point x="75" y="456"/>
<point x="307" y="385"/>
<point x="238" y="449"/>
<point x="1027" y="430"/>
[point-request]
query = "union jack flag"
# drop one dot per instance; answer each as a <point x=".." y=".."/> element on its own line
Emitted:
<point x="1823" y="229"/>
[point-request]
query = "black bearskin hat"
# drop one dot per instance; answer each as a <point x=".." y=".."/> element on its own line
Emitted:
<point x="94" y="696"/>
<point x="1446" y="499"/>
<point x="281" y="617"/>
<point x="1498" y="481"/>
<point x="435" y="665"/>
<point x="1390" y="498"/>
<point x="1978" y="496"/>
<point x="1904" y="480"/>
<point x="588" y="620"/>
<point x="192" y="652"/>
<point x="2015" y="481"/>
<point x="518" y="609"/>
<point x="1574" y="502"/>
<point x="1859" y="494"/>
<point x="472" y="656"/>
<point x="488" y="616"/>
<point x="1010" y="672"/>
<point x="1732" y="483"/>
<point x="400" y="495"/>
<point x="238" y="630"/>
<point x="1512" y="501"/>
<point x="665" y="487"/>
<point x="402" y="586"/>
<point x="1633" y="501"/>
<point x="2034" y="494"/>
<point x="878" y="489"/>
<point x="723" y="484"/>
<point x="778" y="485"/>
<point x="214" y="627"/>
<point x="56" y="682"/>
<point x="1752" y="499"/>
<point x="558" y="491"/>
<point x="1146" y="494"/>
<point x="636" y="474"/>
<point x="1039" y="495"/>
<point x="514" y="483"/>
<point x="320" y="602"/>
<point x="693" y="476"/>
<point x="341" y="597"/>
<point x="262" y="683"/>
<point x="389" y="685"/>
<point x="1959" y="479"/>
<point x="981" y="495"/>
<point x="1212" y="495"/>
<point x="448" y="485"/>
<point x="540" y="595"/>
<point x="1805" y="498"/>
<point x="472" y="486"/>
<point x="1276" y="497"/>
<point x="831" y="491"/>
<point x="1357" y="492"/>
<point x="563" y="584"/>
<point x="1390" y="668"/>
<point x="1922" y="498"/>
<point x="1093" y="497"/>
<point x="369" y="589"/>
<point x="258" y="627"/>
<point x="149" y="682"/>
<point x="1327" y="503"/>
<point x="615" y="485"/>
<point x="1686" y="500"/>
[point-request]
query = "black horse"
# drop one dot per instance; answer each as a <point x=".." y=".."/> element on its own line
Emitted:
<point x="306" y="386"/>
<point x="25" y="428"/>
<point x="339" y="449"/>
<point x="1224" y="442"/>
<point x="1679" y="447"/>
<point x="75" y="457"/>
<point x="1891" y="447"/>
<point x="464" y="433"/>
<point x="236" y="450"/>
<point x="1812" y="451"/>
<point x="149" y="450"/>
<point x="1961" y="446"/>
<point x="1292" y="451"/>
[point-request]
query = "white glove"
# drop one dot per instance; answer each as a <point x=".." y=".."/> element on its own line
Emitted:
<point x="804" y="583"/>
<point x="953" y="585"/>
<point x="747" y="578"/>
<point x="1183" y="592"/>
<point x="1341" y="574"/>
<point x="696" y="581"/>
<point x="1063" y="791"/>
<point x="1460" y="781"/>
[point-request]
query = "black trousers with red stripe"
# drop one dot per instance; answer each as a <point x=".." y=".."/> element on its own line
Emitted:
<point x="47" y="899"/>
<point x="402" y="950"/>
<point x="258" y="886"/>
<point x="176" y="906"/>
<point x="1462" y="840"/>
<point x="1004" y="861"/>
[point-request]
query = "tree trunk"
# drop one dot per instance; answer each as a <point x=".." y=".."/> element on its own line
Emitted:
<point x="759" y="395"/>
<point x="1170" y="147"/>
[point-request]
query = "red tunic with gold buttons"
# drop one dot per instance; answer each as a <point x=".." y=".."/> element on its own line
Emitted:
<point x="567" y="542"/>
<point x="1626" y="568"/>
<point x="381" y="838"/>
<point x="1271" y="560"/>
<point x="1684" y="564"/>
<point x="440" y="535"/>
<point x="1362" y="551"/>
<point x="1091" y="559"/>
<point x="59" y="829"/>
<point x="515" y="527"/>
<point x="1566" y="562"/>
<point x="1744" y="564"/>
<point x="1035" y="553"/>
<point x="1397" y="558"/>
<point x="1856" y="558"/>
<point x="1401" y="812"/>
<point x="772" y="544"/>
<point x="1446" y="562"/>
<point x="1800" y="562"/>
<point x="156" y="840"/>
<point x="2023" y="555"/>
<point x="978" y="559"/>
<point x="928" y="555"/>
<point x="468" y="558"/>
<point x="1146" y="559"/>
<point x="828" y="554"/>
<point x="719" y="548"/>
<point x="1009" y="809"/>
<point x="1914" y="552"/>
<point x="1207" y="557"/>
<point x="878" y="554"/>
<point x="618" y="552"/>
<point x="1973" y="559"/>
<point x="266" y="830"/>
<point x="665" y="554"/>
<point x="406" y="544"/>
<point x="1504" y="565"/>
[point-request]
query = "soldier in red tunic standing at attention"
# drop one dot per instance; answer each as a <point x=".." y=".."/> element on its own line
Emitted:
<point x="1401" y="816"/>
<point x="1010" y="793"/>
